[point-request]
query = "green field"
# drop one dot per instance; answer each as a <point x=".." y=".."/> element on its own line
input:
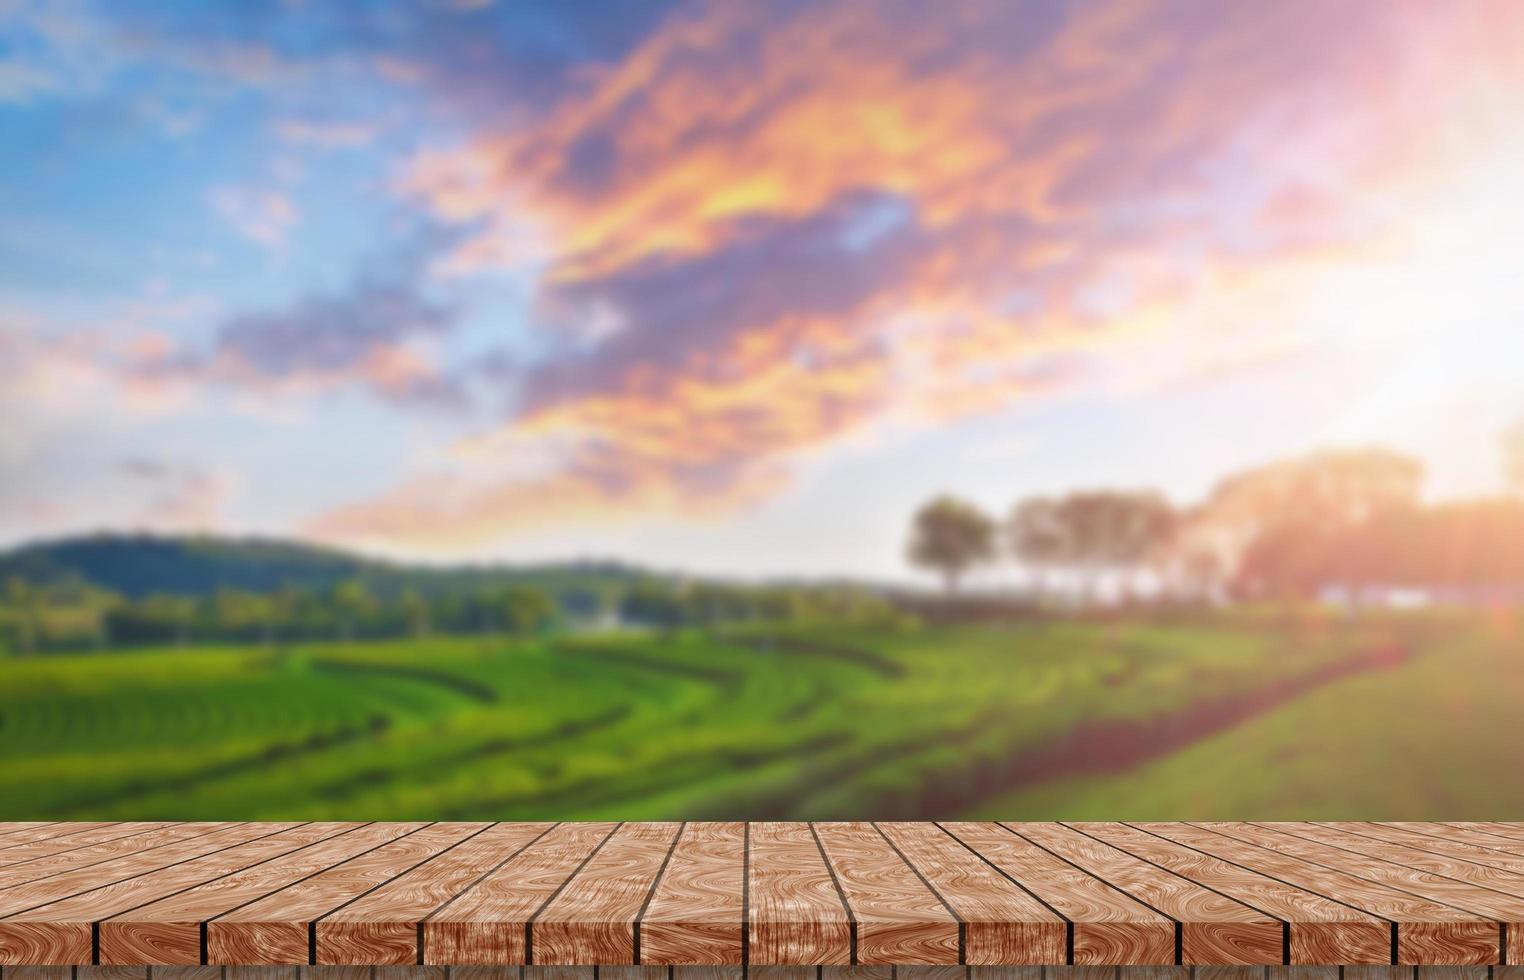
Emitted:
<point x="1237" y="717"/>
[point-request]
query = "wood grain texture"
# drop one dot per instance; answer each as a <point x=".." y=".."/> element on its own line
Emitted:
<point x="708" y="973"/>
<point x="617" y="973"/>
<point x="382" y="928"/>
<point x="197" y="973"/>
<point x="54" y="926"/>
<point x="1003" y="923"/>
<point x="102" y="856"/>
<point x="1322" y="930"/>
<point x="696" y="913"/>
<point x="1035" y="973"/>
<point x="776" y="973"/>
<point x="1482" y="853"/>
<point x="1230" y="973"/>
<point x="169" y="930"/>
<point x="1508" y="831"/>
<point x="275" y="929"/>
<point x="900" y="919"/>
<point x="1110" y="928"/>
<point x="111" y="973"/>
<point x="175" y="879"/>
<point x="1428" y="931"/>
<point x="31" y="852"/>
<point x="1214" y="929"/>
<point x="13" y="831"/>
<point x="483" y="972"/>
<point x="796" y="913"/>
<point x="789" y="899"/>
<point x="1301" y="973"/>
<point x="856" y="973"/>
<point x="1480" y="892"/>
<point x="592" y="921"/>
<point x="489" y="923"/>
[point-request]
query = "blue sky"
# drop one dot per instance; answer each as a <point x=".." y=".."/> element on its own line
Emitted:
<point x="735" y="286"/>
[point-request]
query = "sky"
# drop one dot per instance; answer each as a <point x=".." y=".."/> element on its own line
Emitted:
<point x="735" y="286"/>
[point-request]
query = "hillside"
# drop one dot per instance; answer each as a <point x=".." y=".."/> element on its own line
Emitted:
<point x="815" y="721"/>
<point x="136" y="565"/>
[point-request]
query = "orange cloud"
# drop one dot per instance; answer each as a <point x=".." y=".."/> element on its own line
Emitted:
<point x="810" y="223"/>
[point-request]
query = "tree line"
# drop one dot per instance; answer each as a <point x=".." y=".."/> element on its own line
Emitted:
<point x="1345" y="521"/>
<point x="72" y="614"/>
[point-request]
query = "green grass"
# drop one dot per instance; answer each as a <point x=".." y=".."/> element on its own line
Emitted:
<point x="1437" y="738"/>
<point x="826" y="721"/>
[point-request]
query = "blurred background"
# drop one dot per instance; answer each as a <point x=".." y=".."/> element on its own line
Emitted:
<point x="879" y="409"/>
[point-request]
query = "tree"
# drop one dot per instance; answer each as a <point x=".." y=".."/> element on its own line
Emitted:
<point x="1037" y="537"/>
<point x="652" y="602"/>
<point x="22" y="599"/>
<point x="286" y="604"/>
<point x="240" y="614"/>
<point x="415" y="613"/>
<point x="175" y="613"/>
<point x="1513" y="457"/>
<point x="351" y="602"/>
<point x="951" y="537"/>
<point x="527" y="610"/>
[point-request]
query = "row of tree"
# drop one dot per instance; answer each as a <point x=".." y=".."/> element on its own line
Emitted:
<point x="1349" y="520"/>
<point x="73" y="614"/>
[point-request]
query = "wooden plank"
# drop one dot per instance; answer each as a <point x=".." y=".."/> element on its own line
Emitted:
<point x="1415" y="939"/>
<point x="592" y="921"/>
<point x="11" y="828"/>
<point x="1229" y="973"/>
<point x="111" y="973"/>
<point x="1430" y="931"/>
<point x="44" y="941"/>
<point x="900" y="919"/>
<point x="38" y="973"/>
<point x="1302" y="973"/>
<point x="1035" y="973"/>
<point x="1003" y="923"/>
<point x="276" y="928"/>
<point x="1485" y="892"/>
<point x="1110" y="927"/>
<point x="1474" y="847"/>
<point x="479" y="972"/>
<point x="60" y="931"/>
<point x="101" y="852"/>
<point x="619" y="973"/>
<point x="383" y="927"/>
<point x="697" y="914"/>
<point x="169" y="930"/>
<point x="25" y="832"/>
<point x="21" y="852"/>
<point x="559" y="973"/>
<point x="1322" y="930"/>
<point x="859" y="973"/>
<point x="489" y="923"/>
<point x="194" y="973"/>
<point x="1214" y="929"/>
<point x="796" y="913"/>
<point x="1509" y="831"/>
<point x="708" y="973"/>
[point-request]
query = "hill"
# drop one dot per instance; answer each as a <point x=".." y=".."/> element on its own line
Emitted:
<point x="137" y="565"/>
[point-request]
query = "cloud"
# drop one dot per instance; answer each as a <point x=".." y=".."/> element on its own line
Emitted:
<point x="327" y="135"/>
<point x="374" y="336"/>
<point x="795" y="223"/>
<point x="260" y="215"/>
<point x="180" y="497"/>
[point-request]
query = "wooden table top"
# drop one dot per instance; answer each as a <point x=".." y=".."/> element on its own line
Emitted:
<point x="696" y="894"/>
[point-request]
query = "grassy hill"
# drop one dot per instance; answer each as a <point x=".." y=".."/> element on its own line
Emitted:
<point x="137" y="565"/>
<point x="1188" y="720"/>
<point x="1431" y="738"/>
